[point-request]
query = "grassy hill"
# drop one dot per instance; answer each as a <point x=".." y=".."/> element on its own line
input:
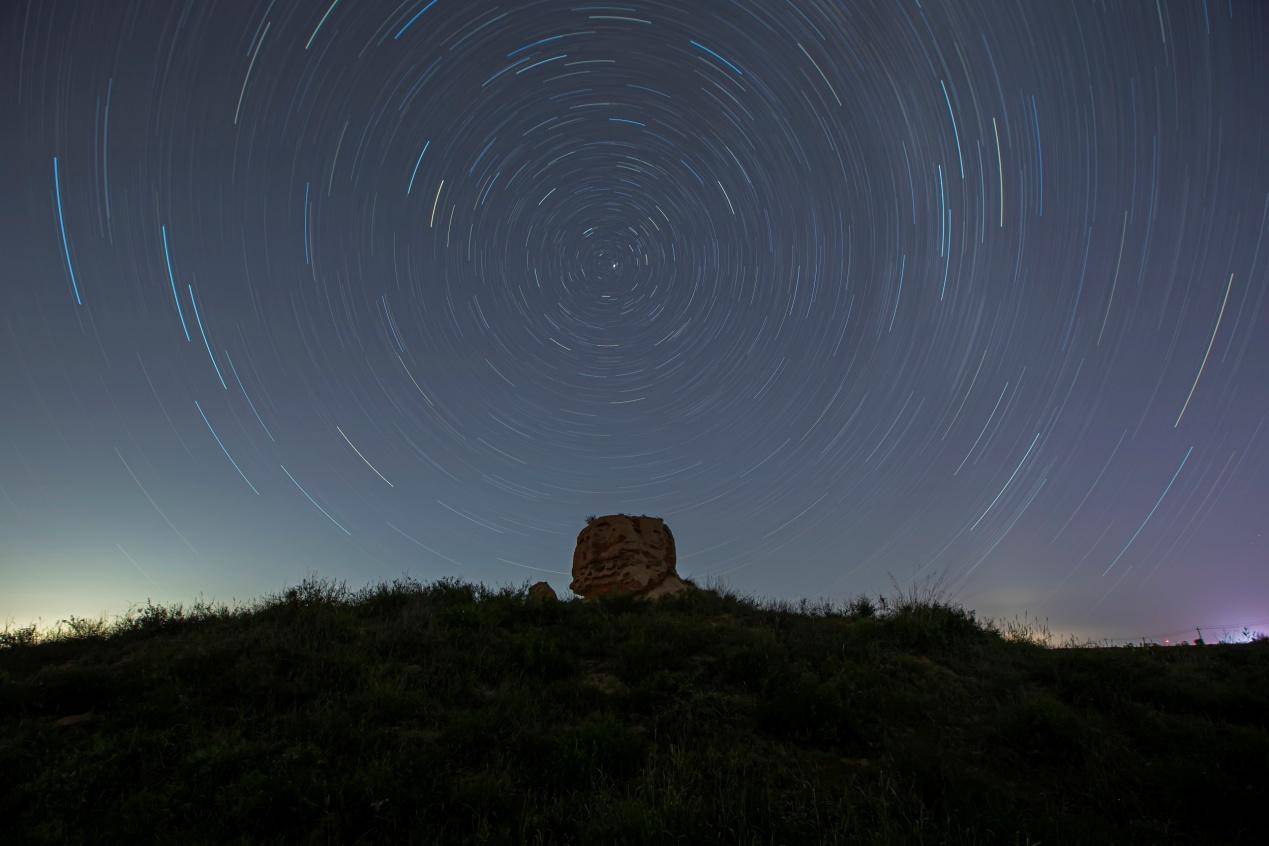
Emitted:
<point x="451" y="713"/>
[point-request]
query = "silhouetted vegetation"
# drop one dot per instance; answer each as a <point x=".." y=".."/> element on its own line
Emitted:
<point x="452" y="713"/>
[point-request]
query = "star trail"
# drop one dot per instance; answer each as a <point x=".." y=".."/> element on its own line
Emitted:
<point x="848" y="292"/>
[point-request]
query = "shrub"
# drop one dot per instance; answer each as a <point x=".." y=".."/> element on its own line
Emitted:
<point x="24" y="636"/>
<point x="863" y="607"/>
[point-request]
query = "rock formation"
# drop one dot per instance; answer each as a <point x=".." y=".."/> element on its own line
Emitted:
<point x="541" y="593"/>
<point x="620" y="554"/>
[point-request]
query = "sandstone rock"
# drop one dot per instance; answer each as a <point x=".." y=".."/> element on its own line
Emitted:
<point x="671" y="585"/>
<point x="620" y="554"/>
<point x="540" y="593"/>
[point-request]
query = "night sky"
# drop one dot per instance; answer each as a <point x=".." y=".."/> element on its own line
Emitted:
<point x="846" y="291"/>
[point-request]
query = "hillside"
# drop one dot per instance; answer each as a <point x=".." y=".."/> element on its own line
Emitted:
<point x="450" y="713"/>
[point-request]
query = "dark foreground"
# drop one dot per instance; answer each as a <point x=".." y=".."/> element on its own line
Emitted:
<point x="451" y="714"/>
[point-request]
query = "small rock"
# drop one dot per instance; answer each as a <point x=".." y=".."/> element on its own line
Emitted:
<point x="540" y="593"/>
<point x="75" y="720"/>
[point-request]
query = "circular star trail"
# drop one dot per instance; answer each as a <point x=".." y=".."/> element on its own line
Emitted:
<point x="847" y="292"/>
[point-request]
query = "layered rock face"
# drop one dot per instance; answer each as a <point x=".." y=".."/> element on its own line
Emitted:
<point x="620" y="554"/>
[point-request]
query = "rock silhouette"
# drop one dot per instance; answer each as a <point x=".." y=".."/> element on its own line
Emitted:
<point x="620" y="554"/>
<point x="541" y="593"/>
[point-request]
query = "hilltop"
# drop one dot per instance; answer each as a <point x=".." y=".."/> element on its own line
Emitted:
<point x="453" y="713"/>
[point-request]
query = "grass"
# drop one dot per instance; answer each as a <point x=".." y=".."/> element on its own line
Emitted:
<point x="452" y="713"/>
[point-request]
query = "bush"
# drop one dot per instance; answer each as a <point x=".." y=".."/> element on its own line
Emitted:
<point x="13" y="638"/>
<point x="863" y="607"/>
